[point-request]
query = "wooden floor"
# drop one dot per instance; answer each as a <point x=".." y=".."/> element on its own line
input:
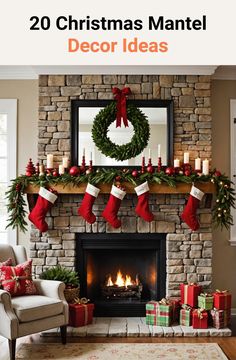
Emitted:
<point x="228" y="344"/>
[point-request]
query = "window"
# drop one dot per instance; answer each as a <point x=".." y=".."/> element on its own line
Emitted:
<point x="8" y="118"/>
<point x="233" y="164"/>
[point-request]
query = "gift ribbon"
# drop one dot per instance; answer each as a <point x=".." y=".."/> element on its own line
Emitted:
<point x="221" y="291"/>
<point x="15" y="278"/>
<point x="186" y="307"/>
<point x="120" y="97"/>
<point x="205" y="295"/>
<point x="81" y="301"/>
<point x="199" y="313"/>
<point x="164" y="301"/>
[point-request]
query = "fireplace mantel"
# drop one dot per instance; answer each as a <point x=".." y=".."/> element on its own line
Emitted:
<point x="181" y="188"/>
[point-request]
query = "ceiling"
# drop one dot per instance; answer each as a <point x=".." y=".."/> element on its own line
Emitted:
<point x="32" y="72"/>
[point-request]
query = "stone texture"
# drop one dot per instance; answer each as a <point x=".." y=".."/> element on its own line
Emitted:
<point x="189" y="255"/>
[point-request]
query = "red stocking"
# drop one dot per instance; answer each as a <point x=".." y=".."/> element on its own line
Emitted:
<point x="142" y="208"/>
<point x="44" y="203"/>
<point x="85" y="208"/>
<point x="113" y="205"/>
<point x="189" y="215"/>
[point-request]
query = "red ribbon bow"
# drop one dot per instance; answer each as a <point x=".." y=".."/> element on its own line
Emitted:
<point x="120" y="97"/>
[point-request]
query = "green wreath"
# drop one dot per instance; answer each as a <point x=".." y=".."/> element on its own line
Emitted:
<point x="139" y="141"/>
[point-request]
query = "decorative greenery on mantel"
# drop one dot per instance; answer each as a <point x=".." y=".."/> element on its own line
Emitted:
<point x="225" y="194"/>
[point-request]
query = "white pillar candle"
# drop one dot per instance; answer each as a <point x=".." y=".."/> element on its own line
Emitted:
<point x="149" y="153"/>
<point x="205" y="167"/>
<point x="65" y="162"/>
<point x="176" y="163"/>
<point x="50" y="161"/>
<point x="143" y="154"/>
<point x="61" y="169"/>
<point x="186" y="158"/>
<point x="198" y="164"/>
<point x="83" y="151"/>
<point x="91" y="156"/>
<point x="41" y="170"/>
<point x="159" y="150"/>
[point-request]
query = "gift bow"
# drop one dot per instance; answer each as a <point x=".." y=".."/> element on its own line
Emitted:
<point x="199" y="313"/>
<point x="164" y="301"/>
<point x="205" y="295"/>
<point x="120" y="97"/>
<point x="222" y="291"/>
<point x="82" y="300"/>
<point x="186" y="307"/>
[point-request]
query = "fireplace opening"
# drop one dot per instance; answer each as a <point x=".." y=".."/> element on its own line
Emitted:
<point x="121" y="272"/>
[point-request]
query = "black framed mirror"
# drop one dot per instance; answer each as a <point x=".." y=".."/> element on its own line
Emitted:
<point x="160" y="117"/>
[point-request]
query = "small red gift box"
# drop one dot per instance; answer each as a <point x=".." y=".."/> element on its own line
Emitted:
<point x="200" y="319"/>
<point x="221" y="318"/>
<point x="189" y="294"/>
<point x="222" y="300"/>
<point x="80" y="314"/>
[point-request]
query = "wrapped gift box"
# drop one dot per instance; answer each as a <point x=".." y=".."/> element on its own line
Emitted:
<point x="205" y="301"/>
<point x="176" y="306"/>
<point x="185" y="318"/>
<point x="80" y="314"/>
<point x="159" y="313"/>
<point x="222" y="300"/>
<point x="151" y="312"/>
<point x="200" y="319"/>
<point x="189" y="294"/>
<point x="221" y="318"/>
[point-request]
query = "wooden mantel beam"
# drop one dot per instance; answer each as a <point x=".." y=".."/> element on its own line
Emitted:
<point x="181" y="188"/>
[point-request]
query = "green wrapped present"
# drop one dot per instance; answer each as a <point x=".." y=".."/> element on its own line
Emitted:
<point x="151" y="312"/>
<point x="205" y="301"/>
<point x="164" y="313"/>
<point x="185" y="318"/>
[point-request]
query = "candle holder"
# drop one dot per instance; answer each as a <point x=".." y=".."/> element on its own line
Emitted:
<point x="177" y="170"/>
<point x="149" y="162"/>
<point x="83" y="161"/>
<point x="91" y="165"/>
<point x="143" y="165"/>
<point x="159" y="164"/>
<point x="37" y="169"/>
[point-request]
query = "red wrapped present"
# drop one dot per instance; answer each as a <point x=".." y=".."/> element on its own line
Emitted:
<point x="176" y="306"/>
<point x="221" y="318"/>
<point x="189" y="294"/>
<point x="222" y="300"/>
<point x="200" y="319"/>
<point x="80" y="314"/>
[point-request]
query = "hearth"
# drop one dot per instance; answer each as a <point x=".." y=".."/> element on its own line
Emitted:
<point x="121" y="272"/>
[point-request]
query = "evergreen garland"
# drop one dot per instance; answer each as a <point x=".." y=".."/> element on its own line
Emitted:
<point x="139" y="141"/>
<point x="225" y="194"/>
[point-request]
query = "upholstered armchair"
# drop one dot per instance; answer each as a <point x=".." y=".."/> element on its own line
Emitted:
<point x="29" y="314"/>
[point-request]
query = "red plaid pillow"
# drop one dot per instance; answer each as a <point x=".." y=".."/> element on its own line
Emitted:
<point x="8" y="262"/>
<point x="17" y="280"/>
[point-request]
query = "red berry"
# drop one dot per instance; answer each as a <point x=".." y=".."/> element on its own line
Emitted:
<point x="187" y="172"/>
<point x="135" y="173"/>
<point x="170" y="171"/>
<point x="55" y="173"/>
<point x="217" y="173"/>
<point x="118" y="178"/>
<point x="150" y="169"/>
<point x="74" y="171"/>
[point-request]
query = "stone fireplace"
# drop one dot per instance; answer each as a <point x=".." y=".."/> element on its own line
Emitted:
<point x="188" y="254"/>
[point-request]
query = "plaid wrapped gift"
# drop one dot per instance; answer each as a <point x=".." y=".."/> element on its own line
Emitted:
<point x="176" y="306"/>
<point x="164" y="313"/>
<point x="205" y="301"/>
<point x="185" y="318"/>
<point x="151" y="312"/>
<point x="189" y="294"/>
<point x="221" y="318"/>
<point x="222" y="300"/>
<point x="200" y="319"/>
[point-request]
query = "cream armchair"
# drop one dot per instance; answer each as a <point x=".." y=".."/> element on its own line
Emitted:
<point x="25" y="315"/>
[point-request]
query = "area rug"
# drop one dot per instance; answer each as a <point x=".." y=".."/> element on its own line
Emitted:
<point x="120" y="351"/>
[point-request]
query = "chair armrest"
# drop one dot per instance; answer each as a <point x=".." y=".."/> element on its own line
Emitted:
<point x="9" y="322"/>
<point x="50" y="288"/>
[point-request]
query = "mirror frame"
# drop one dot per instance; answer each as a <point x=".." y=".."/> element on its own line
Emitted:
<point x="76" y="104"/>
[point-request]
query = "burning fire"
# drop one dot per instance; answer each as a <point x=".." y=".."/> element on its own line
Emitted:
<point x="121" y="280"/>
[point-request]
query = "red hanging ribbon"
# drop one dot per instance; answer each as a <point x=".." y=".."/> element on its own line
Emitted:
<point x="120" y="97"/>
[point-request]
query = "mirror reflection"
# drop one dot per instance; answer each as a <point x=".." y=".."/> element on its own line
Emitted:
<point x="157" y="118"/>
